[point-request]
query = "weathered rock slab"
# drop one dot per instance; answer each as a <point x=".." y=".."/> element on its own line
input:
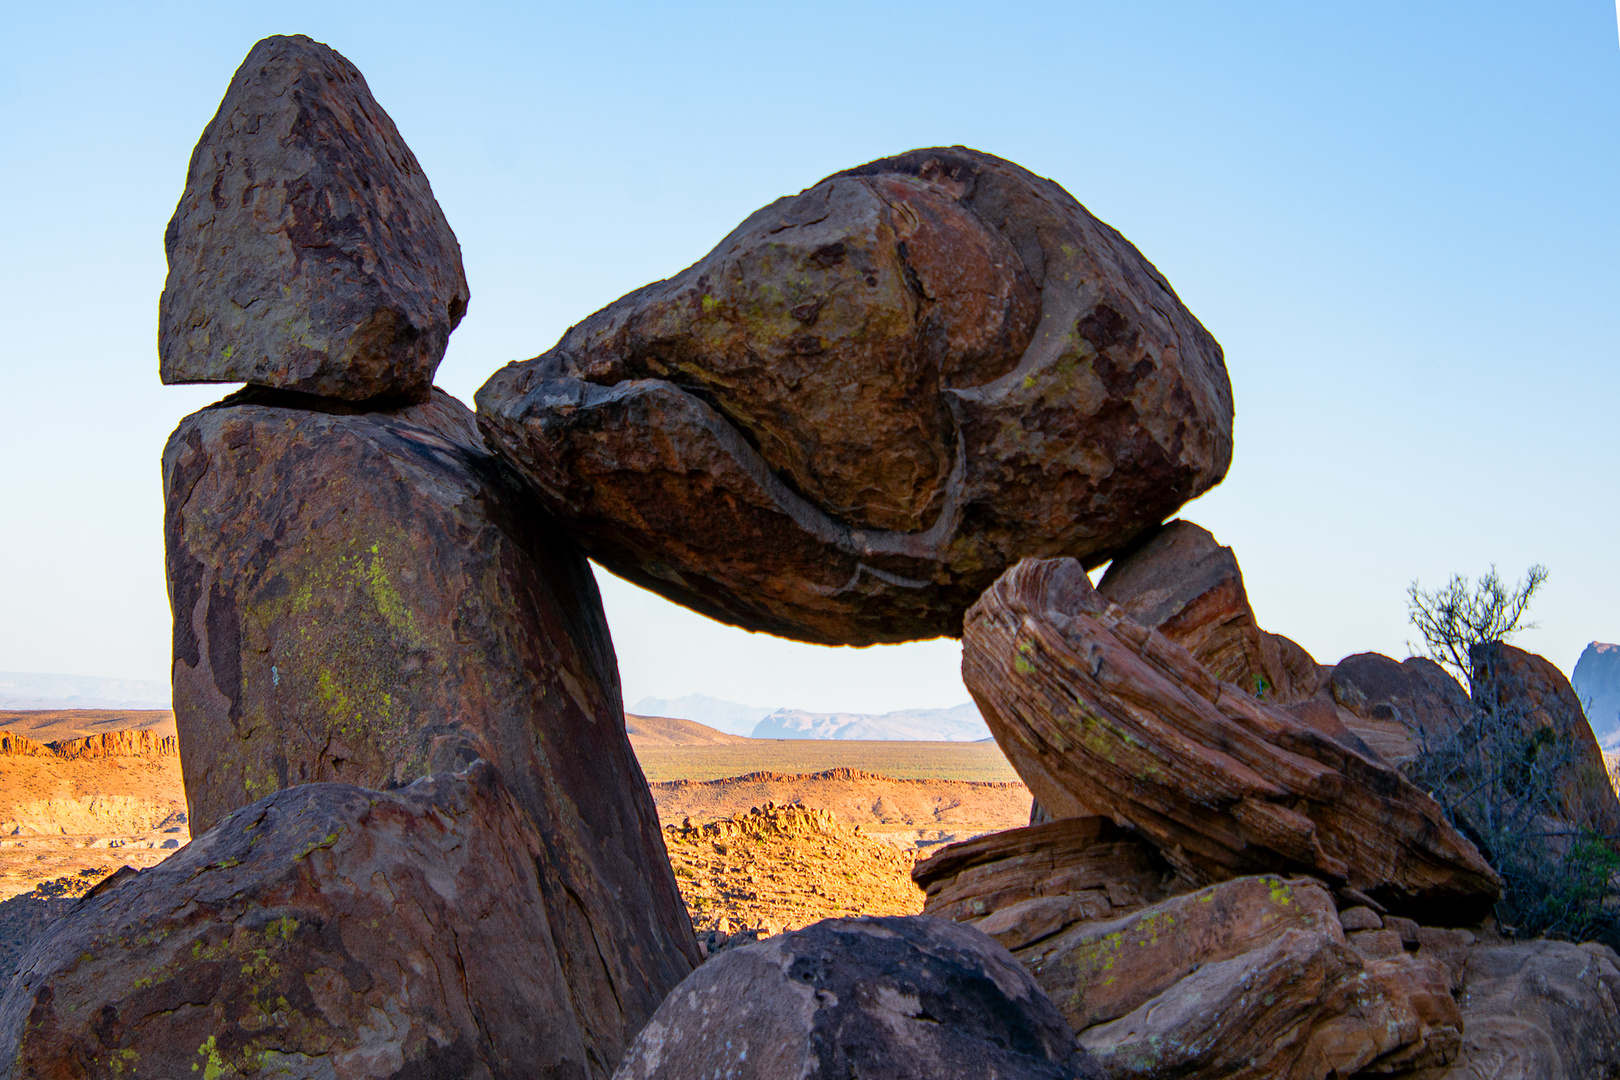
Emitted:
<point x="888" y="998"/>
<point x="369" y="597"/>
<point x="870" y="399"/>
<point x="1113" y="719"/>
<point x="1398" y="707"/>
<point x="1024" y="884"/>
<point x="325" y="931"/>
<point x="1182" y="583"/>
<point x="307" y="252"/>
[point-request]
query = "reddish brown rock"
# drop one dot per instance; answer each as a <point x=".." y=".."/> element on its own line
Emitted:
<point x="308" y="251"/>
<point x="1038" y="880"/>
<point x="325" y="931"/>
<point x="872" y="398"/>
<point x="1182" y="583"/>
<point x="899" y="998"/>
<point x="1535" y="695"/>
<point x="1537" y="1010"/>
<point x="370" y="597"/>
<point x="1094" y="709"/>
<point x="1398" y="707"/>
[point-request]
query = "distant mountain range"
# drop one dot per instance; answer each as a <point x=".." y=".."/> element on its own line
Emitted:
<point x="959" y="724"/>
<point x="1597" y="683"/>
<point x="26" y="690"/>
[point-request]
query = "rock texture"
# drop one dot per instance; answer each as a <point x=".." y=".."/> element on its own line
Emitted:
<point x="325" y="931"/>
<point x="1039" y="879"/>
<point x="870" y="399"/>
<point x="1184" y="584"/>
<point x="1535" y="693"/>
<point x="307" y="252"/>
<point x="1541" y="1010"/>
<point x="896" y="998"/>
<point x="367" y="598"/>
<point x="1102" y="716"/>
<point x="1398" y="707"/>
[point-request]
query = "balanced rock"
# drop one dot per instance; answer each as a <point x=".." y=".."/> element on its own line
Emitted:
<point x="324" y="931"/>
<point x="887" y="998"/>
<point x="308" y="251"/>
<point x="1398" y="707"/>
<point x="1102" y="716"/>
<point x="872" y="398"/>
<point x="370" y="597"/>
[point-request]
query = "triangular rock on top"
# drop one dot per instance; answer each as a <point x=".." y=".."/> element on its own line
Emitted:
<point x="307" y="252"/>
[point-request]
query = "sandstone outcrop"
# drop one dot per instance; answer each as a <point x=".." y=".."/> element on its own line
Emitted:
<point x="1102" y="716"/>
<point x="1039" y="879"/>
<point x="870" y="399"/>
<point x="327" y="930"/>
<point x="1537" y="1010"/>
<point x="1182" y="583"/>
<point x="1533" y="694"/>
<point x="897" y="998"/>
<point x="1398" y="707"/>
<point x="369" y="597"/>
<point x="307" y="251"/>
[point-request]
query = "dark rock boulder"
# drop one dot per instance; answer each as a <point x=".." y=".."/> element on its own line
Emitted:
<point x="324" y="931"/>
<point x="1181" y="582"/>
<point x="886" y="998"/>
<point x="308" y="251"/>
<point x="870" y="399"/>
<point x="370" y="597"/>
<point x="1398" y="707"/>
<point x="1102" y="716"/>
<point x="1530" y="693"/>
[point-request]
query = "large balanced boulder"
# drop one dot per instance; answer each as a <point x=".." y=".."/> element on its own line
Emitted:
<point x="872" y="398"/>
<point x="888" y="998"/>
<point x="369" y="597"/>
<point x="1102" y="716"/>
<point x="325" y="931"/>
<point x="308" y="251"/>
<point x="1182" y="583"/>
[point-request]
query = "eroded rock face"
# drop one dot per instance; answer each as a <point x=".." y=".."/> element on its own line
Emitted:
<point x="308" y="251"/>
<point x="369" y="597"/>
<point x="1184" y="584"/>
<point x="1109" y="718"/>
<point x="325" y="931"/>
<point x="1540" y="1010"/>
<point x="1397" y="707"/>
<point x="898" y="997"/>
<point x="870" y="399"/>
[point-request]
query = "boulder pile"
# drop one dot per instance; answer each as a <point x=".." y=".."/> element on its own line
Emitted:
<point x="922" y="397"/>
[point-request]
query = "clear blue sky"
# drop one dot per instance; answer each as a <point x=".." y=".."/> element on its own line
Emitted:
<point x="1399" y="219"/>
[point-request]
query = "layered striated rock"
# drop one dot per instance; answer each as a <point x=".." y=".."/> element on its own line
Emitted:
<point x="1530" y="693"/>
<point x="369" y="597"/>
<point x="870" y="399"/>
<point x="1182" y="583"/>
<point x="324" y="931"/>
<point x="1037" y="880"/>
<point x="1102" y="716"/>
<point x="896" y="998"/>
<point x="1398" y="707"/>
<point x="307" y="251"/>
<point x="1537" y="1010"/>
